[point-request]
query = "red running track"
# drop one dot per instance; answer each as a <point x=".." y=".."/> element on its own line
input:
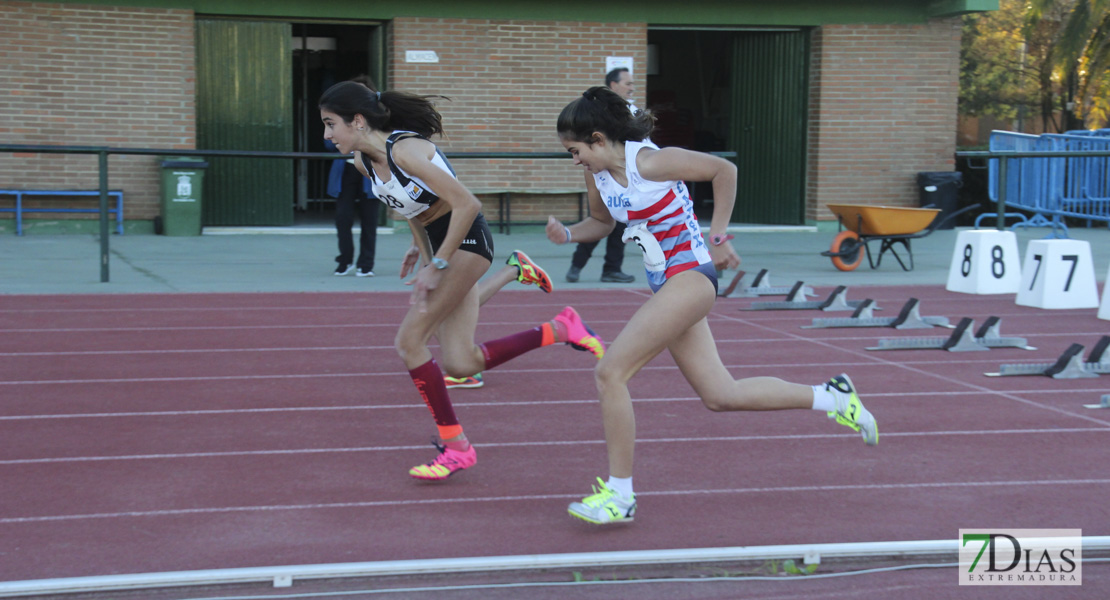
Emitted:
<point x="151" y="433"/>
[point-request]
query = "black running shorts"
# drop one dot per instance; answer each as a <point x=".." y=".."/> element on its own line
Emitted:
<point x="478" y="240"/>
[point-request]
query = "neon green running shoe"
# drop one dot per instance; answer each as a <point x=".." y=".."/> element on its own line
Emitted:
<point x="529" y="272"/>
<point x="850" y="411"/>
<point x="604" y="506"/>
<point x="473" y="381"/>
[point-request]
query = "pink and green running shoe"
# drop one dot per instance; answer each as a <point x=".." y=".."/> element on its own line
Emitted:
<point x="445" y="465"/>
<point x="579" y="335"/>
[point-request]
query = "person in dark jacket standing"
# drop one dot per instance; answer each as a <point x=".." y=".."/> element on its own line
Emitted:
<point x="620" y="81"/>
<point x="352" y="194"/>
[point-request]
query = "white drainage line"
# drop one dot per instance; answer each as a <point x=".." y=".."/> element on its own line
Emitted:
<point x="284" y="576"/>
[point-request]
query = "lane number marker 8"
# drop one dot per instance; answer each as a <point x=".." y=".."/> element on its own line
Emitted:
<point x="998" y="265"/>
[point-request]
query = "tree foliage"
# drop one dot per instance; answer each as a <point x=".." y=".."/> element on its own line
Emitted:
<point x="1048" y="56"/>
<point x="999" y="67"/>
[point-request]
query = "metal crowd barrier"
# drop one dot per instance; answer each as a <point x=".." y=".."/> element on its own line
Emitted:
<point x="1026" y="179"/>
<point x="1085" y="182"/>
<point x="1052" y="176"/>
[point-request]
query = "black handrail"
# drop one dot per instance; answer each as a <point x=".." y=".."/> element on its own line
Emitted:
<point x="42" y="149"/>
<point x="103" y="151"/>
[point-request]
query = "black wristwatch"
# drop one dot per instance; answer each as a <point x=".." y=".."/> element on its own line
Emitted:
<point x="439" y="263"/>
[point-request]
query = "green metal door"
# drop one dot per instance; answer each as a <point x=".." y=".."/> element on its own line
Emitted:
<point x="244" y="102"/>
<point x="768" y="126"/>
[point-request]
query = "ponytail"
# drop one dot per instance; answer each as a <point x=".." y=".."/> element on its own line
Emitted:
<point x="383" y="111"/>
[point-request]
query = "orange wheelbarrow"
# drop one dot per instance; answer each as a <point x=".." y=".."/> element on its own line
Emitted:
<point x="863" y="223"/>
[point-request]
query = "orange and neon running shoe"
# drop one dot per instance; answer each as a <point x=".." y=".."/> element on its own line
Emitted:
<point x="529" y="272"/>
<point x="445" y="465"/>
<point x="474" y="381"/>
<point x="579" y="335"/>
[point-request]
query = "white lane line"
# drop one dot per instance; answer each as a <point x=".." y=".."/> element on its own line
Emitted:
<point x="268" y="326"/>
<point x="206" y="378"/>
<point x="196" y="328"/>
<point x="532" y="443"/>
<point x="761" y="367"/>
<point x="471" y="404"/>
<point x="877" y="360"/>
<point x="538" y="497"/>
<point x="402" y="305"/>
<point x="878" y="332"/>
<point x="390" y="347"/>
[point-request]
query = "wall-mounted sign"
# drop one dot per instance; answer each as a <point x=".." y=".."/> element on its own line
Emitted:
<point x="421" y="56"/>
<point x="614" y="62"/>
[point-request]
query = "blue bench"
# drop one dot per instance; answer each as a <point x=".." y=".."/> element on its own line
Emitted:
<point x="19" y="209"/>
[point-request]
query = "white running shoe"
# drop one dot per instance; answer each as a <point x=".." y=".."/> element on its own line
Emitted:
<point x="604" y="506"/>
<point x="850" y="411"/>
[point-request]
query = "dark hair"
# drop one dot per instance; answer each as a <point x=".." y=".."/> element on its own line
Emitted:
<point x="601" y="109"/>
<point x="614" y="76"/>
<point x="384" y="111"/>
<point x="365" y="80"/>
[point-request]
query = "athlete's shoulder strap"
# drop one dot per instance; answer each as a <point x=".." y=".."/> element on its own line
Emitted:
<point x="404" y="135"/>
<point x="393" y="168"/>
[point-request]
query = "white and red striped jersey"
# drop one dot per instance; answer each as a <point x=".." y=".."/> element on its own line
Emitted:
<point x="664" y="207"/>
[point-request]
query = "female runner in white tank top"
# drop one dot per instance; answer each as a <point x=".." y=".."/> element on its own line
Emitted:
<point x="630" y="179"/>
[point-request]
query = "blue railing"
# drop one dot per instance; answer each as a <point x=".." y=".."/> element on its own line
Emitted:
<point x="1051" y="175"/>
<point x="1085" y="180"/>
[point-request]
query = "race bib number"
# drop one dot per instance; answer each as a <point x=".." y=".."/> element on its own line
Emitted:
<point x="395" y="197"/>
<point x="654" y="259"/>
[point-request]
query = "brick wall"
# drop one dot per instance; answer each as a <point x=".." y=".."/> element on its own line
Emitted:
<point x="507" y="81"/>
<point x="882" y="109"/>
<point x="95" y="76"/>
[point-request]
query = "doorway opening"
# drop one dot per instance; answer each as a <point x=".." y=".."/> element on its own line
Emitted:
<point x="740" y="90"/>
<point x="325" y="54"/>
<point x="688" y="81"/>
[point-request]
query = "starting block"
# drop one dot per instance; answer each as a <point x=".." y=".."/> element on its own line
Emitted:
<point x="795" y="300"/>
<point x="1069" y="365"/>
<point x="760" y="286"/>
<point x="727" y="292"/>
<point x="985" y="261"/>
<point x="908" y="318"/>
<point x="1105" y="403"/>
<point x="1058" y="274"/>
<point x="961" y="339"/>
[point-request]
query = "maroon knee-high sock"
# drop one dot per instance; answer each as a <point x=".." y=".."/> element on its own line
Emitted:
<point x="428" y="378"/>
<point x="509" y="347"/>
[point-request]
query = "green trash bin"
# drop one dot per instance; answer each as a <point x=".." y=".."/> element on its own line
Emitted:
<point x="182" y="183"/>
